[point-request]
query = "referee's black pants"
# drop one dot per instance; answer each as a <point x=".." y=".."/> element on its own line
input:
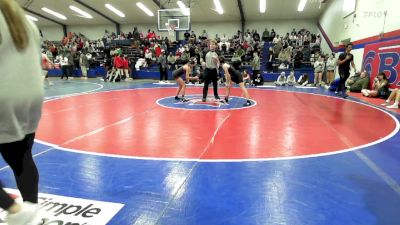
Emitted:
<point x="210" y="75"/>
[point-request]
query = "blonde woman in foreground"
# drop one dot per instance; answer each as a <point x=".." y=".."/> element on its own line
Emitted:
<point x="21" y="97"/>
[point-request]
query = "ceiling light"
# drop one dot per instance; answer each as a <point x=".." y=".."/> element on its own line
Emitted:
<point x="185" y="11"/>
<point x="81" y="12"/>
<point x="263" y="6"/>
<point x="29" y="17"/>
<point x="218" y="6"/>
<point x="56" y="14"/>
<point x="114" y="10"/>
<point x="302" y="4"/>
<point x="145" y="9"/>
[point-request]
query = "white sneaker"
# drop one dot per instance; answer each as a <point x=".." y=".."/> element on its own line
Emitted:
<point x="27" y="214"/>
<point x="394" y="106"/>
<point x="385" y="104"/>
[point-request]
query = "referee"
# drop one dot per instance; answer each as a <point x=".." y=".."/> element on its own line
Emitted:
<point x="211" y="72"/>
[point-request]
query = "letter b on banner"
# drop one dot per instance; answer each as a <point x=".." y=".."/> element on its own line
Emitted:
<point x="388" y="63"/>
<point x="383" y="57"/>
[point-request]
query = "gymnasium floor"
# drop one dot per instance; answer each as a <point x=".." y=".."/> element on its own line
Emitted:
<point x="127" y="153"/>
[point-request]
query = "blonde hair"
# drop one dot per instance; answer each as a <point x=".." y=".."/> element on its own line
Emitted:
<point x="17" y="23"/>
<point x="213" y="41"/>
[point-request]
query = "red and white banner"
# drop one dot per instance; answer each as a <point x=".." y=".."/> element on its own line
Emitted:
<point x="383" y="57"/>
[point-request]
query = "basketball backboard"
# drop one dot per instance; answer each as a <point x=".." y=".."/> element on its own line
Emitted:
<point x="175" y="17"/>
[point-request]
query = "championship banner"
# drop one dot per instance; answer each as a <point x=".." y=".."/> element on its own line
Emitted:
<point x="383" y="57"/>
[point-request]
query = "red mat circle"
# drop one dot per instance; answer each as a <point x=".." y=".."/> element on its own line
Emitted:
<point x="283" y="124"/>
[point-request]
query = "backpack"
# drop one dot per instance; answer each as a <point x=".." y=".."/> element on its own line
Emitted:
<point x="334" y="85"/>
<point x="384" y="92"/>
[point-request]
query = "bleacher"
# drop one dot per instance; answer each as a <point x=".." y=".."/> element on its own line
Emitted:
<point x="134" y="52"/>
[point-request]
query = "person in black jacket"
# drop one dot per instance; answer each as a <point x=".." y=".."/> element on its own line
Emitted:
<point x="345" y="60"/>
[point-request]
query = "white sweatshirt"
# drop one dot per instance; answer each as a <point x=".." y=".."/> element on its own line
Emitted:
<point x="21" y="87"/>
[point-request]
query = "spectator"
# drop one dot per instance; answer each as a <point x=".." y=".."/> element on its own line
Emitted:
<point x="148" y="36"/>
<point x="265" y="35"/>
<point x="303" y="80"/>
<point x="281" y="81"/>
<point x="71" y="64"/>
<point x="344" y="62"/>
<point x="330" y="68"/>
<point x="256" y="36"/>
<point x="66" y="64"/>
<point x="100" y="44"/>
<point x="130" y="35"/>
<point x="246" y="78"/>
<point x="277" y="49"/>
<point x="164" y="46"/>
<point x="291" y="79"/>
<point x="204" y="35"/>
<point x="118" y="65"/>
<point x="186" y="35"/>
<point x="157" y="50"/>
<point x="255" y="63"/>
<point x="276" y="39"/>
<point x="136" y="36"/>
<point x="248" y="38"/>
<point x="171" y="61"/>
<point x="21" y="91"/>
<point x="358" y="83"/>
<point x="298" y="58"/>
<point x="259" y="80"/>
<point x="272" y="35"/>
<point x="236" y="61"/>
<point x="395" y="95"/>
<point x="283" y="59"/>
<point x="84" y="64"/>
<point x="271" y="59"/>
<point x="140" y="63"/>
<point x="379" y="87"/>
<point x="192" y="37"/>
<point x="162" y="62"/>
<point x="224" y="44"/>
<point x="185" y="56"/>
<point x="318" y="40"/>
<point x="319" y="67"/>
<point x="239" y="36"/>
<point x="125" y="62"/>
<point x="148" y="57"/>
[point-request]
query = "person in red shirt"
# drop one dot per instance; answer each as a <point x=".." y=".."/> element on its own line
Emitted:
<point x="144" y="50"/>
<point x="153" y="35"/>
<point x="53" y="50"/>
<point x="119" y="66"/>
<point x="178" y="54"/>
<point x="148" y="35"/>
<point x="157" y="51"/>
<point x="80" y="46"/>
<point x="125" y="62"/>
<point x="46" y="65"/>
<point x="245" y="45"/>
